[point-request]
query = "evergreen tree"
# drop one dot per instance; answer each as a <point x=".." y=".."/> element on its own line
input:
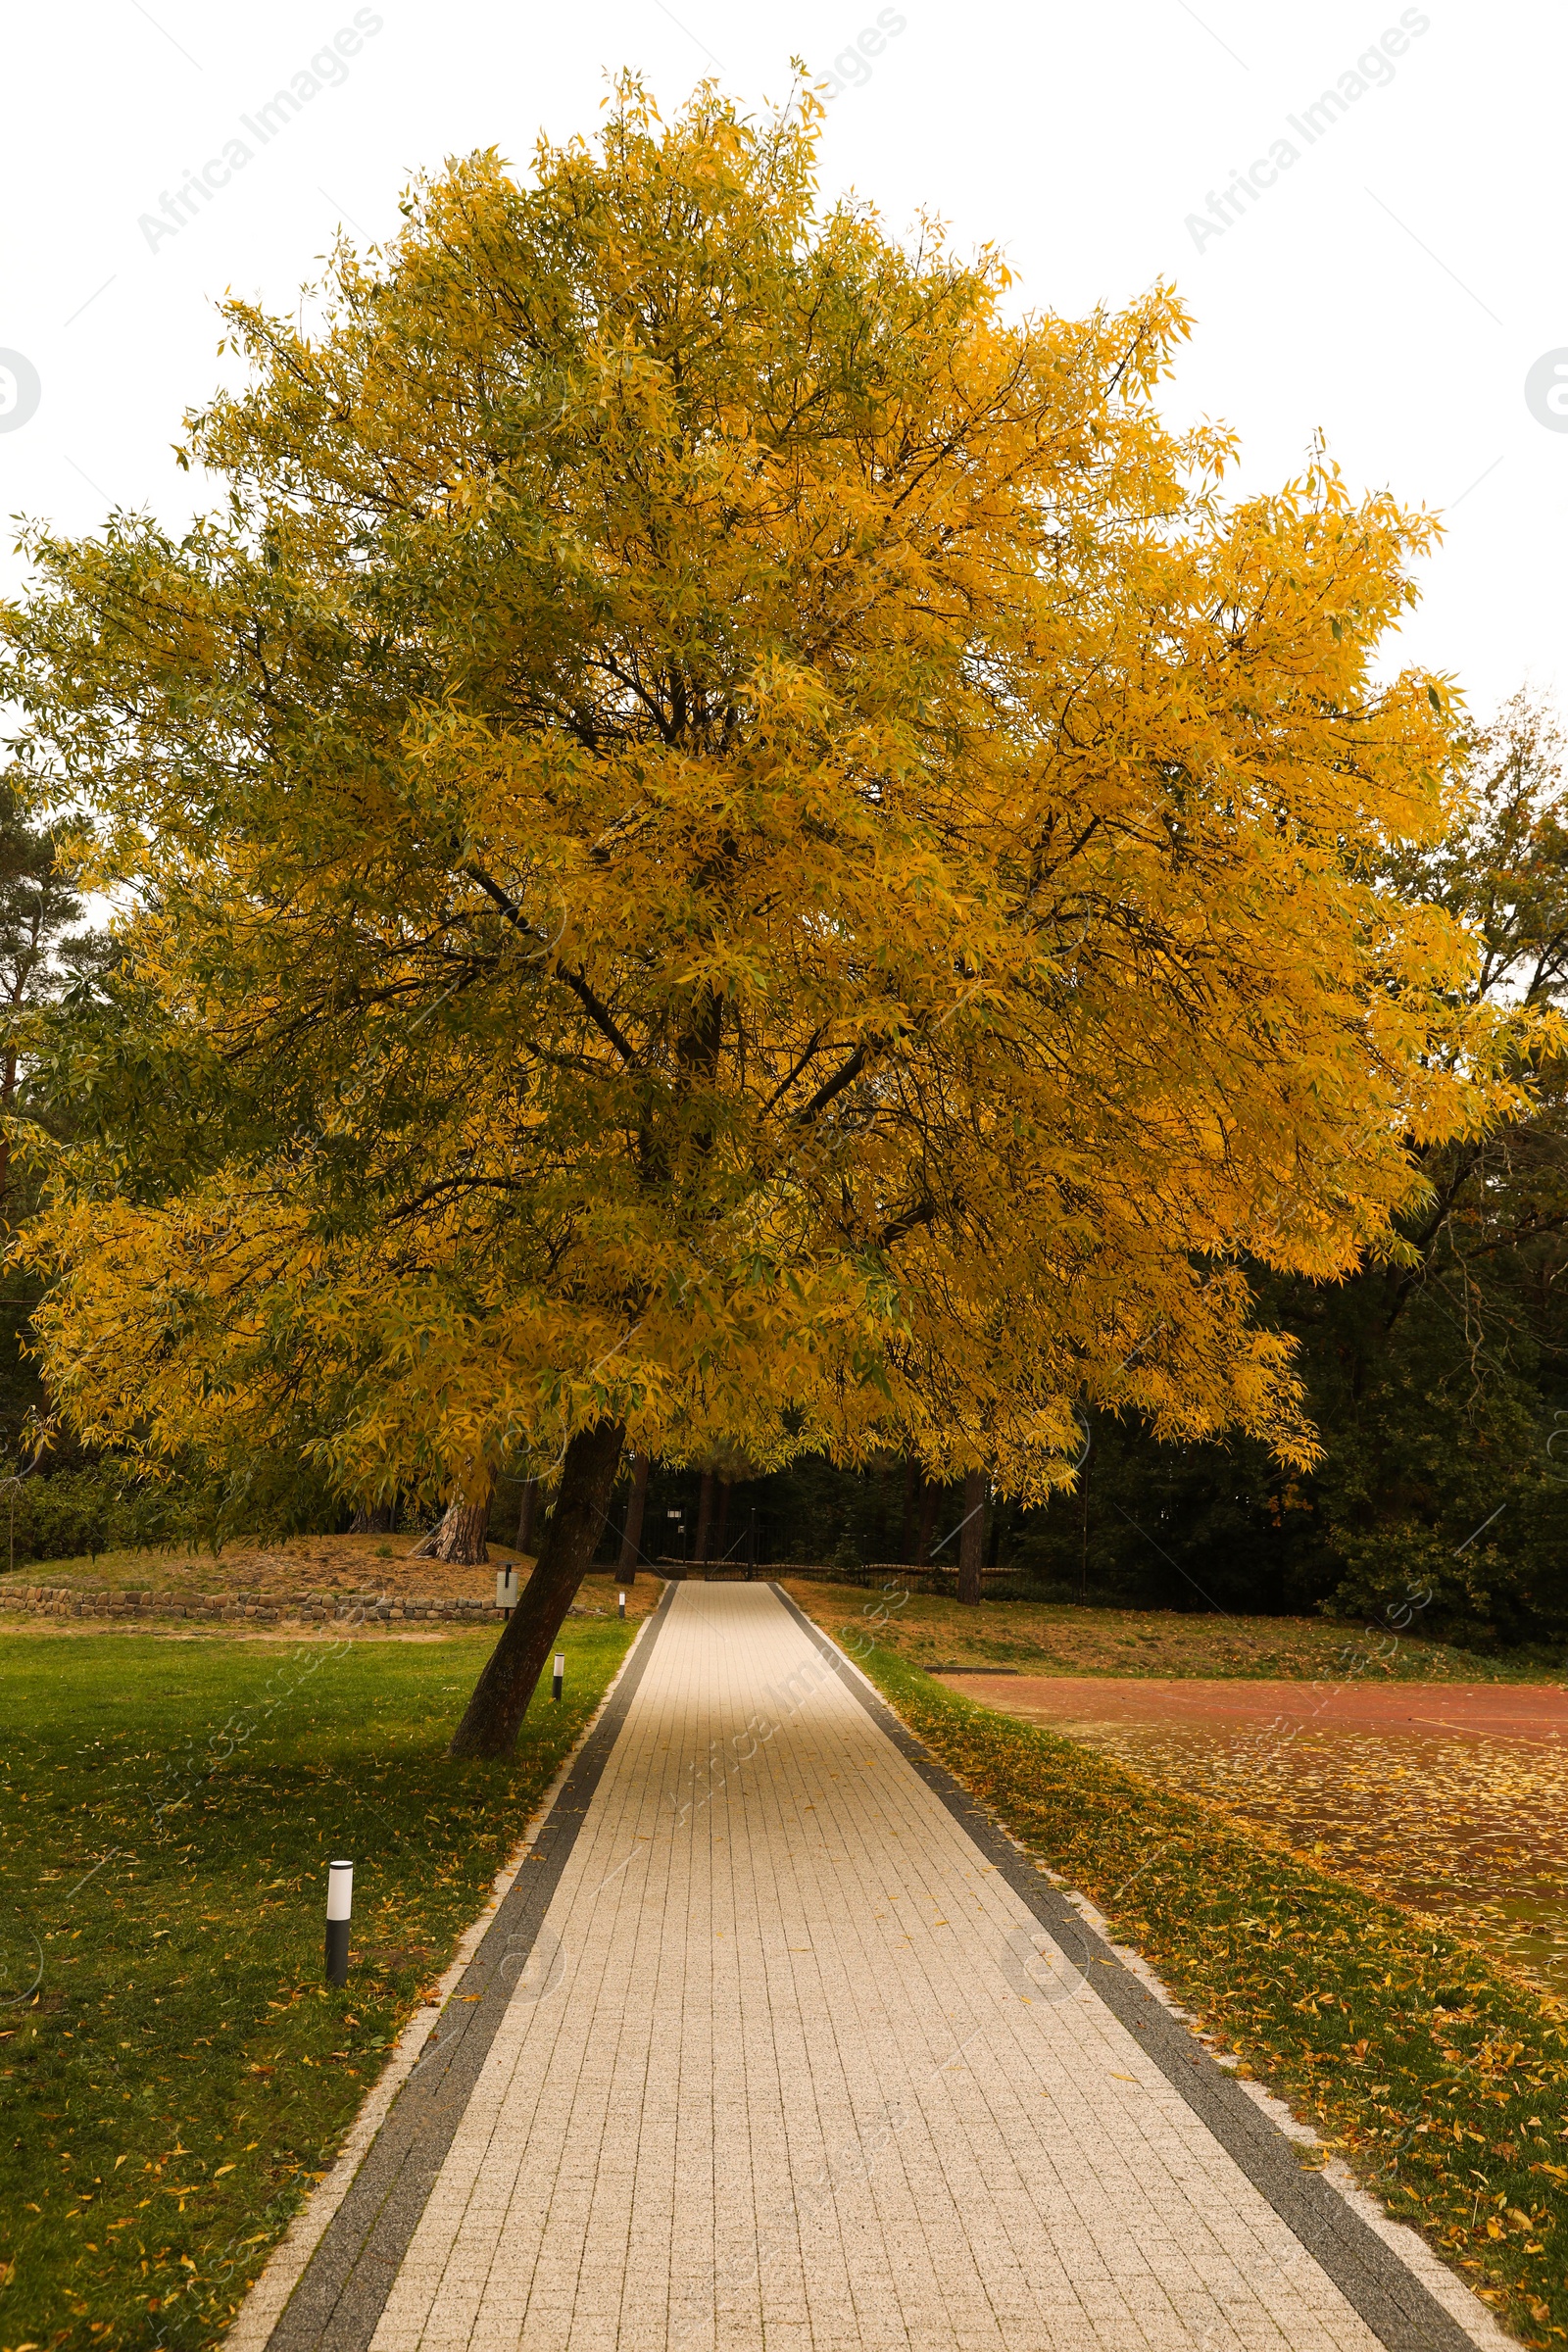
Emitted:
<point x="42" y="954"/>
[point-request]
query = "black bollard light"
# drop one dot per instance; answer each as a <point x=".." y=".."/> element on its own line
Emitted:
<point x="559" y="1674"/>
<point x="621" y="1597"/>
<point x="339" y="1907"/>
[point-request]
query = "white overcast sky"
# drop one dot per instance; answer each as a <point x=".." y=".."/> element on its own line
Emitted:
<point x="1393" y="289"/>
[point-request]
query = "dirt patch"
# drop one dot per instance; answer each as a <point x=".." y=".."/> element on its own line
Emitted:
<point x="1463" y="1710"/>
<point x="1451" y="1800"/>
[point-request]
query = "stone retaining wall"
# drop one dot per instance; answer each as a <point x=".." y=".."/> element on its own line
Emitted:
<point x="235" y="1608"/>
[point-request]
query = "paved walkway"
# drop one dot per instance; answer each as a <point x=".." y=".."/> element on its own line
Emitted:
<point x="772" y="2047"/>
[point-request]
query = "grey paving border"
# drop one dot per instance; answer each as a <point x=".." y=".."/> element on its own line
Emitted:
<point x="343" y="2289"/>
<point x="1398" y="2309"/>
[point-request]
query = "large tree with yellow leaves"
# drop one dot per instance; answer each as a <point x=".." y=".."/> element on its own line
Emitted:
<point x="728" y="844"/>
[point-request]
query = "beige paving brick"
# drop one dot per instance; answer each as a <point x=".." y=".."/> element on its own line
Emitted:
<point x="785" y="2090"/>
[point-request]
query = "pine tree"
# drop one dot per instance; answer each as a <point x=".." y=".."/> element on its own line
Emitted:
<point x="41" y="954"/>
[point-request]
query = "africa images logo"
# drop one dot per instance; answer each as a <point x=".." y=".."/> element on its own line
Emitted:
<point x="326" y="70"/>
<point x="850" y="67"/>
<point x="1545" y="397"/>
<point x="20" y="390"/>
<point x="1373" y="69"/>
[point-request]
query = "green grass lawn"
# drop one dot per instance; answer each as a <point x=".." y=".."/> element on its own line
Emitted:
<point x="1442" y="2081"/>
<point x="178" y="2074"/>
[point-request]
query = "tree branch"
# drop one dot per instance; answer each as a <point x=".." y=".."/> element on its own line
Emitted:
<point x="784" y="1085"/>
<point x="832" y="1086"/>
<point x="598" y="1012"/>
<point x="922" y="1213"/>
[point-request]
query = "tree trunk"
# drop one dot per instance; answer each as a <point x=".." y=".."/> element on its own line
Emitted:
<point x="721" y="1527"/>
<point x="8" y="1091"/>
<point x="373" y="1519"/>
<point x="705" y="1517"/>
<point x="459" y="1535"/>
<point x="912" y="1482"/>
<point x="631" y="1535"/>
<point x="971" y="1542"/>
<point x="930" y="1499"/>
<point x="500" y="1701"/>
<point x="527" y="1513"/>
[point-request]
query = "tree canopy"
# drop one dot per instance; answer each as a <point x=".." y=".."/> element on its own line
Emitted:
<point x="1437" y="1377"/>
<point x="728" y="841"/>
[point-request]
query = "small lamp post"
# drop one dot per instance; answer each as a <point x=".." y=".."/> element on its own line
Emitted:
<point x="559" y="1674"/>
<point x="339" y="1909"/>
<point x="506" y="1588"/>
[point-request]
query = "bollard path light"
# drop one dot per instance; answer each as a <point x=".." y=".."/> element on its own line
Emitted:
<point x="560" y="1675"/>
<point x="506" y="1588"/>
<point x="339" y="1907"/>
<point x="621" y="1597"/>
